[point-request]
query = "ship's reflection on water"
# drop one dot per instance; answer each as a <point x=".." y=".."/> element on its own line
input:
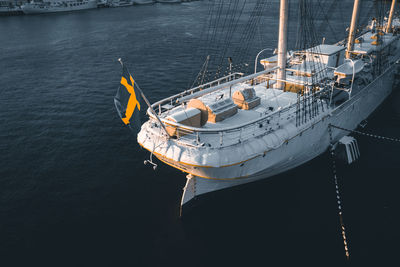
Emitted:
<point x="74" y="190"/>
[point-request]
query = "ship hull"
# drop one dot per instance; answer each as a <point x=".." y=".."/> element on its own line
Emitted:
<point x="311" y="143"/>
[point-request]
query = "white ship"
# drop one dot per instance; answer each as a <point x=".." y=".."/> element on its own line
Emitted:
<point x="236" y="129"/>
<point x="143" y="2"/>
<point x="120" y="3"/>
<point x="57" y="6"/>
<point x="102" y="3"/>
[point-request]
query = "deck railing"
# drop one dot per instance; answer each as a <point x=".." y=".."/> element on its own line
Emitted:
<point x="235" y="134"/>
<point x="269" y="121"/>
<point x="266" y="123"/>
<point x="226" y="81"/>
<point x="173" y="101"/>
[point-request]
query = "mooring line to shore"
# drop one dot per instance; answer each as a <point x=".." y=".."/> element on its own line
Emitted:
<point x="366" y="134"/>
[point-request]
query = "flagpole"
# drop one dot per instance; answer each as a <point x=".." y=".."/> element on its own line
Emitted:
<point x="147" y="102"/>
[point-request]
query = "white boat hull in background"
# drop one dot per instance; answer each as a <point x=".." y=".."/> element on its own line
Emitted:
<point x="120" y="3"/>
<point x="143" y="2"/>
<point x="38" y="8"/>
<point x="169" y="1"/>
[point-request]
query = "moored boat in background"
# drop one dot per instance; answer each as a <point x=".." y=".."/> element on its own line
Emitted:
<point x="143" y="2"/>
<point x="120" y="3"/>
<point x="102" y="3"/>
<point x="57" y="6"/>
<point x="169" y="1"/>
<point x="8" y="8"/>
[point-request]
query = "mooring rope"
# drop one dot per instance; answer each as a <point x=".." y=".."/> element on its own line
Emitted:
<point x="332" y="149"/>
<point x="367" y="134"/>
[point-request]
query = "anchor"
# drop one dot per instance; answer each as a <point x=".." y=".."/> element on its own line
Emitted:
<point x="151" y="161"/>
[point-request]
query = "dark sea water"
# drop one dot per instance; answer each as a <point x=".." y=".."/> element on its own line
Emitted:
<point x="73" y="187"/>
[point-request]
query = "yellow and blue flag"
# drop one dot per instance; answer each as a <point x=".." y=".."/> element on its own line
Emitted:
<point x="127" y="101"/>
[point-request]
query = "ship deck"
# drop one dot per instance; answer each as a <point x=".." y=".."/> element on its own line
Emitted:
<point x="271" y="100"/>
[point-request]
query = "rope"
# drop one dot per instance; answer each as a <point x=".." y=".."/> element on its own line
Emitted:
<point x="332" y="150"/>
<point x="326" y="21"/>
<point x="367" y="134"/>
<point x="244" y="51"/>
<point x="201" y="73"/>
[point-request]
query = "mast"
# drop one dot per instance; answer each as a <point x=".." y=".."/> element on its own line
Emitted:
<point x="389" y="24"/>
<point x="353" y="27"/>
<point x="282" y="43"/>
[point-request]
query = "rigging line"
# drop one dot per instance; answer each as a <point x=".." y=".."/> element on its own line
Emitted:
<point x="228" y="21"/>
<point x="218" y="6"/>
<point x="313" y="28"/>
<point x="274" y="30"/>
<point x="306" y="37"/>
<point x="209" y="22"/>
<point x="323" y="25"/>
<point x="203" y="69"/>
<point x="214" y="28"/>
<point x="256" y="30"/>
<point x="225" y="19"/>
<point x="226" y="16"/>
<point x="300" y="38"/>
<point x="342" y="20"/>
<point x="213" y="42"/>
<point x="379" y="7"/>
<point x="382" y="12"/>
<point x="256" y="21"/>
<point x="247" y="30"/>
<point x="364" y="22"/>
<point x="322" y="3"/>
<point x="204" y="35"/>
<point x="307" y="30"/>
<point x="235" y="23"/>
<point x="201" y="43"/>
<point x="250" y="29"/>
<point x="261" y="24"/>
<point x="217" y="21"/>
<point x="320" y="67"/>
<point x="260" y="36"/>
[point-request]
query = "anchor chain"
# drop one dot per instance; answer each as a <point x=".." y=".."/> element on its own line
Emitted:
<point x="332" y="150"/>
<point x="367" y="134"/>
